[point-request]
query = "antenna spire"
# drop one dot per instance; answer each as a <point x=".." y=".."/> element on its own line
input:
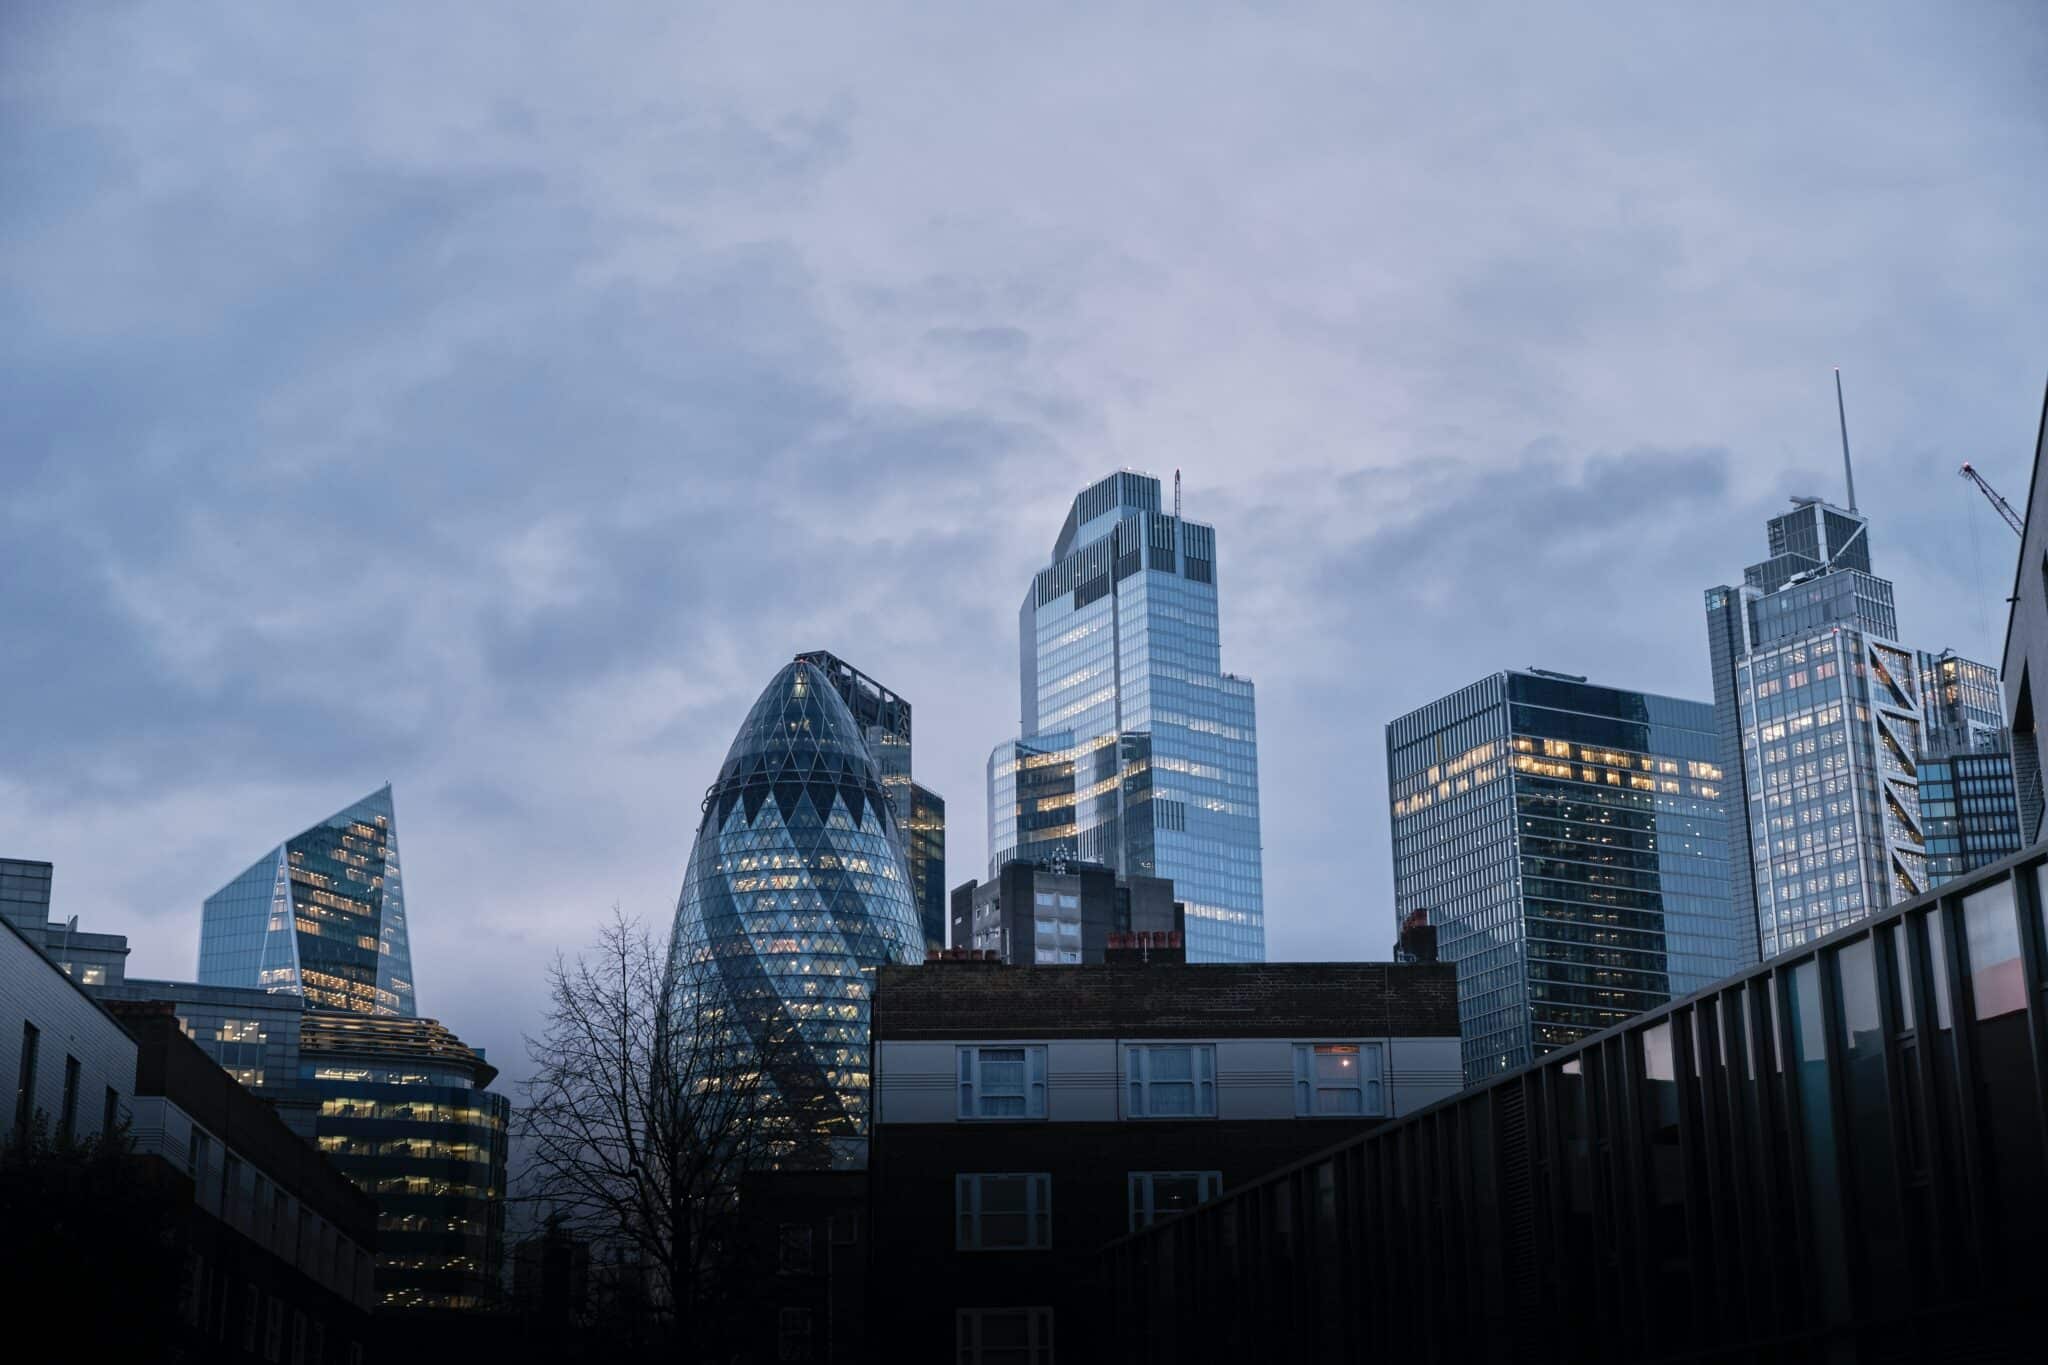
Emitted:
<point x="1848" y="472"/>
<point x="1176" y="495"/>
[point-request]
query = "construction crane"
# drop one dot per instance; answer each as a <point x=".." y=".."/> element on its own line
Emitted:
<point x="2003" y="508"/>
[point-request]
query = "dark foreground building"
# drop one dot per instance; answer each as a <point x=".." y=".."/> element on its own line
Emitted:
<point x="1027" y="1116"/>
<point x="1838" y="1155"/>
<point x="1055" y="913"/>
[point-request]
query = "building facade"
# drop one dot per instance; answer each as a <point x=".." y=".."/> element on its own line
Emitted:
<point x="2026" y="648"/>
<point x="278" y="1247"/>
<point x="404" y="1111"/>
<point x="1028" y="1116"/>
<point x="1821" y="722"/>
<point x="796" y="892"/>
<point x="67" y="1067"/>
<point x="1137" y="750"/>
<point x="25" y="895"/>
<point x="1568" y="844"/>
<point x="321" y="915"/>
<point x="1835" y="1155"/>
<point x="1058" y="913"/>
<point x="885" y="723"/>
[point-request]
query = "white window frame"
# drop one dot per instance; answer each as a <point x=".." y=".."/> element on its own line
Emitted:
<point x="1370" y="1083"/>
<point x="1138" y="1079"/>
<point x="969" y="1089"/>
<point x="1142" y="1185"/>
<point x="967" y="1333"/>
<point x="967" y="1210"/>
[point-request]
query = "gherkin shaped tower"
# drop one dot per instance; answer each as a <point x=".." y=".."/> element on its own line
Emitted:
<point x="796" y="892"/>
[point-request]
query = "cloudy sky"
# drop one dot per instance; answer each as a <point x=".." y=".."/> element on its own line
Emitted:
<point x="489" y="398"/>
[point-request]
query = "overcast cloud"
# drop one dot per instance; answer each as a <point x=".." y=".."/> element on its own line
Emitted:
<point x="489" y="398"/>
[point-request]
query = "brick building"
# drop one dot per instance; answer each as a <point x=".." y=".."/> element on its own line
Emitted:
<point x="1025" y="1117"/>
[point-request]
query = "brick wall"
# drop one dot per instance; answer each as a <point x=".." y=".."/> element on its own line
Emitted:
<point x="1164" y="1000"/>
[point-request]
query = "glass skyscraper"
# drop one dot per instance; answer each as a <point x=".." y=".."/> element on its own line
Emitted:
<point x="796" y="891"/>
<point x="321" y="915"/>
<point x="1138" y="751"/>
<point x="1968" y="804"/>
<point x="1568" y="844"/>
<point x="885" y="723"/>
<point x="1827" y="724"/>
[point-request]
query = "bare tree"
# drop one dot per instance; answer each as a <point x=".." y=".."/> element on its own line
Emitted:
<point x="646" y="1103"/>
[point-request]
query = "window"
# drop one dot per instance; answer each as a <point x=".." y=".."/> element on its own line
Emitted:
<point x="793" y="1333"/>
<point x="793" y="1249"/>
<point x="67" y="1120"/>
<point x="1161" y="1194"/>
<point x="93" y="976"/>
<point x="199" y="1158"/>
<point x="1170" y="1081"/>
<point x="1003" y="1212"/>
<point x="273" y="1331"/>
<point x="1335" y="1079"/>
<point x="1004" y="1336"/>
<point x="25" y="1080"/>
<point x="1002" y="1082"/>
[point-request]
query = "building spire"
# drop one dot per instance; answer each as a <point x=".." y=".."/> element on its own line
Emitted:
<point x="1848" y="472"/>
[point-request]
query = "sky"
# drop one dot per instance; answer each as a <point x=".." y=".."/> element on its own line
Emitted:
<point x="489" y="398"/>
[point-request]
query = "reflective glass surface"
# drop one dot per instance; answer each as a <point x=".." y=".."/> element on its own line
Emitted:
<point x="1139" y="751"/>
<point x="796" y="890"/>
<point x="321" y="915"/>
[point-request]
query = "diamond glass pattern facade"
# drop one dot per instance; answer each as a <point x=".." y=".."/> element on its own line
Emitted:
<point x="1137" y="751"/>
<point x="321" y="915"/>
<point x="1568" y="842"/>
<point x="797" y="889"/>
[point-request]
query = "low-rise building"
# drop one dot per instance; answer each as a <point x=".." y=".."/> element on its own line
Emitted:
<point x="1027" y="1117"/>
<point x="279" y="1245"/>
<point x="67" y="1067"/>
<point x="1059" y="913"/>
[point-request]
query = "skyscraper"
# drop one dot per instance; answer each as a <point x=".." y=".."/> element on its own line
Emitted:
<point x="1137" y="751"/>
<point x="1568" y="844"/>
<point x="1826" y="722"/>
<point x="321" y="915"/>
<point x="884" y="719"/>
<point x="1968" y="805"/>
<point x="796" y="891"/>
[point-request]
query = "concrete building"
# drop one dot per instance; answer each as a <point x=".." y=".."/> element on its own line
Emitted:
<point x="1058" y="913"/>
<point x="2025" y="669"/>
<point x="67" y="1067"/>
<point x="279" y="1245"/>
<point x="1027" y="1116"/>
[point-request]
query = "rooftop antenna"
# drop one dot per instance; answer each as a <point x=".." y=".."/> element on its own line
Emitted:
<point x="1841" y="412"/>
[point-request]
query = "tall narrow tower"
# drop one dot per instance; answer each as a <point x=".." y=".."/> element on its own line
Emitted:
<point x="1138" y="750"/>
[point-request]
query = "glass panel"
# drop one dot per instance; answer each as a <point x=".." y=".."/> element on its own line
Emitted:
<point x="1869" y="1117"/>
<point x="1172" y="1064"/>
<point x="1903" y="960"/>
<point x="1817" y="1123"/>
<point x="1937" y="967"/>
<point x="1992" y="934"/>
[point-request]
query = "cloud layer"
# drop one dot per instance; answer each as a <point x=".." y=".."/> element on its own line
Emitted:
<point x="489" y="399"/>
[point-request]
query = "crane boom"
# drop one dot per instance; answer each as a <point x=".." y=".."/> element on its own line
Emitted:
<point x="2000" y="505"/>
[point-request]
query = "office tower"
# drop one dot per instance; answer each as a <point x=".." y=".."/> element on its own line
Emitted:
<point x="1969" y="808"/>
<point x="321" y="915"/>
<point x="796" y="891"/>
<point x="1053" y="913"/>
<point x="404" y="1111"/>
<point x="1568" y="843"/>
<point x="1137" y="750"/>
<point x="1826" y="721"/>
<point x="25" y="896"/>
<point x="884" y="720"/>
